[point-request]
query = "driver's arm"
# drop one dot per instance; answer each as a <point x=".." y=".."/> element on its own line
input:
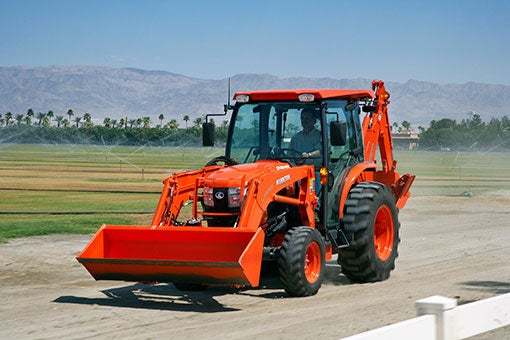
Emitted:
<point x="314" y="153"/>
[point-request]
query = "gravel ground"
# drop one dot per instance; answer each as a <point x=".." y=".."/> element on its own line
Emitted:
<point x="452" y="246"/>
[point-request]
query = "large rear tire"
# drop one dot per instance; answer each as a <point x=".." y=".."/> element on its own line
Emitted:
<point x="301" y="261"/>
<point x="372" y="228"/>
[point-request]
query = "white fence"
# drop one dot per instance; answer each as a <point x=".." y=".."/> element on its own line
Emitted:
<point x="440" y="318"/>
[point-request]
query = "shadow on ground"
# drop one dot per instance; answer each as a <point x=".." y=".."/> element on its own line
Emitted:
<point x="494" y="287"/>
<point x="161" y="296"/>
<point x="164" y="296"/>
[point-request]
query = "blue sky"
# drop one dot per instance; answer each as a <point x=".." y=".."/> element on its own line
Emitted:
<point x="437" y="41"/>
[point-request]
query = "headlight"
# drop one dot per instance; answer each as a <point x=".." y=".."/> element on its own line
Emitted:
<point x="208" y="197"/>
<point x="223" y="198"/>
<point x="234" y="195"/>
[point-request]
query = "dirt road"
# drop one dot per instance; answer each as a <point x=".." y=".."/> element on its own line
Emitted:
<point x="452" y="246"/>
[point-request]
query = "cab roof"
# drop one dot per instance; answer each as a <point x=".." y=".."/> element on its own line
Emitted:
<point x="292" y="95"/>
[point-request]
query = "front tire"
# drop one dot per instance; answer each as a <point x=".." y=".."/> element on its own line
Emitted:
<point x="372" y="228"/>
<point x="301" y="261"/>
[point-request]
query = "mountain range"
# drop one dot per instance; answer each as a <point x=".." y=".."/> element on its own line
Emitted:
<point x="129" y="92"/>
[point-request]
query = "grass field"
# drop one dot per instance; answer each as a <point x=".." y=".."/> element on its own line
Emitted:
<point x="75" y="188"/>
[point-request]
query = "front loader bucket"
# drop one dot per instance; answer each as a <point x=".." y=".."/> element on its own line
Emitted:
<point x="218" y="255"/>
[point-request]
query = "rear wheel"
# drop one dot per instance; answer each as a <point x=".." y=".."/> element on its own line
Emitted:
<point x="301" y="261"/>
<point x="372" y="228"/>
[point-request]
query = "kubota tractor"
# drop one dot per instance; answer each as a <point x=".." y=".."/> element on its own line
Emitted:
<point x="260" y="203"/>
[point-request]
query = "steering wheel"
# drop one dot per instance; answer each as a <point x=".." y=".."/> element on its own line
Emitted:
<point x="343" y="154"/>
<point x="286" y="152"/>
<point x="221" y="160"/>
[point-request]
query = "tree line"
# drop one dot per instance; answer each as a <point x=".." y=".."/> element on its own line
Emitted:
<point x="51" y="128"/>
<point x="471" y="133"/>
<point x="50" y="119"/>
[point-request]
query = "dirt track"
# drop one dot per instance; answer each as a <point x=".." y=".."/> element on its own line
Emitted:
<point x="451" y="246"/>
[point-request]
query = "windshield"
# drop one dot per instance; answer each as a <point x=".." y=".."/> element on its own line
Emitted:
<point x="260" y="129"/>
<point x="289" y="130"/>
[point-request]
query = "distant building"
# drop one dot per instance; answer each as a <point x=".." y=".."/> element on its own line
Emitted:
<point x="405" y="140"/>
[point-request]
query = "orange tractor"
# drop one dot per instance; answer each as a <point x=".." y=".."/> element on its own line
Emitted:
<point x="266" y="202"/>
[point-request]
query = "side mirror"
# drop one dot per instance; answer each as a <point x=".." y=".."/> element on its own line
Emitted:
<point x="338" y="133"/>
<point x="207" y="134"/>
<point x="369" y="108"/>
<point x="350" y="107"/>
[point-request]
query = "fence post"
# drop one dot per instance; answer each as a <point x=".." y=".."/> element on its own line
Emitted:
<point x="437" y="305"/>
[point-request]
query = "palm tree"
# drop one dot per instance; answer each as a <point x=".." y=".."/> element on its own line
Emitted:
<point x="70" y="113"/>
<point x="114" y="123"/>
<point x="146" y="122"/>
<point x="40" y="117"/>
<point x="87" y="120"/>
<point x="59" y="120"/>
<point x="19" y="119"/>
<point x="30" y="114"/>
<point x="50" y="115"/>
<point x="66" y="122"/>
<point x="132" y="122"/>
<point x="186" y="119"/>
<point x="46" y="121"/>
<point x="172" y="124"/>
<point x="28" y="120"/>
<point x="107" y="122"/>
<point x="77" y="120"/>
<point x="8" y="117"/>
<point x="161" y="117"/>
<point x="197" y="122"/>
<point x="122" y="123"/>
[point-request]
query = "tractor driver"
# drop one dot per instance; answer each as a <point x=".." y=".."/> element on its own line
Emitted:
<point x="309" y="140"/>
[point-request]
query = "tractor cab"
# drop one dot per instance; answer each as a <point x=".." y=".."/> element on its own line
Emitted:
<point x="264" y="124"/>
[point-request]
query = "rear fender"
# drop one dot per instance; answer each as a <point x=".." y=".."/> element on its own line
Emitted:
<point x="368" y="172"/>
<point x="351" y="177"/>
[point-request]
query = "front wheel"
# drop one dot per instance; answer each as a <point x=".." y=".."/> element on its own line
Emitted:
<point x="372" y="228"/>
<point x="301" y="261"/>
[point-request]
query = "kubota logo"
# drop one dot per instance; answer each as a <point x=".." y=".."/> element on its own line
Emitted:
<point x="283" y="179"/>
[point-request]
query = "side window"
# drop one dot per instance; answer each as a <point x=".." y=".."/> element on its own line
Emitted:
<point x="292" y="124"/>
<point x="245" y="138"/>
<point x="336" y="112"/>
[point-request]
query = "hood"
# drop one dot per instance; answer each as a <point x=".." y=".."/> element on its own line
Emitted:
<point x="234" y="176"/>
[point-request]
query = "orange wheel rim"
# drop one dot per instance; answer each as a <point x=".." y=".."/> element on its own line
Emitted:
<point x="383" y="233"/>
<point x="313" y="262"/>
